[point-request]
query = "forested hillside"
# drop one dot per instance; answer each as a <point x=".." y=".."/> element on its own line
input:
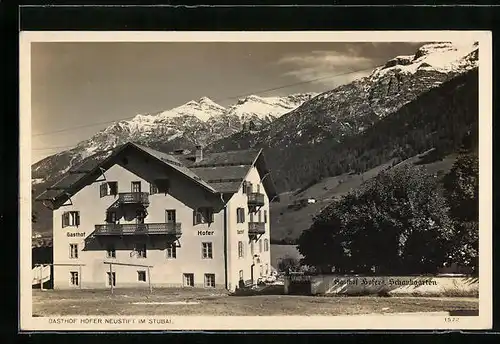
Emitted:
<point x="439" y="119"/>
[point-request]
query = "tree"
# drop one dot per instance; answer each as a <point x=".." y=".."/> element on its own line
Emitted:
<point x="288" y="263"/>
<point x="461" y="188"/>
<point x="34" y="215"/>
<point x="397" y="223"/>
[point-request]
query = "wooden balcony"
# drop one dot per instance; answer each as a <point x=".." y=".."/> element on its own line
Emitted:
<point x="133" y="198"/>
<point x="256" y="228"/>
<point x="256" y="199"/>
<point x="112" y="229"/>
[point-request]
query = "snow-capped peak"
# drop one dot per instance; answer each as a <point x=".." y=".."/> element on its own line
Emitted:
<point x="268" y="107"/>
<point x="440" y="56"/>
<point x="203" y="109"/>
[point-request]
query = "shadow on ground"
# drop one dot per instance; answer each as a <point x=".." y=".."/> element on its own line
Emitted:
<point x="260" y="290"/>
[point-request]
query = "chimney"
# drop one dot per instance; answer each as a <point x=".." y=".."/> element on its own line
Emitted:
<point x="199" y="154"/>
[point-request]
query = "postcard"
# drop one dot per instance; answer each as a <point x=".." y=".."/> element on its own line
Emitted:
<point x="326" y="180"/>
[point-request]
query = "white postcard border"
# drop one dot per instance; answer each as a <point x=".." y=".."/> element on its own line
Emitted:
<point x="435" y="322"/>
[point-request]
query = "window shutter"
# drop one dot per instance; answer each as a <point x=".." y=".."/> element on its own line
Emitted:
<point x="242" y="215"/>
<point x="77" y="218"/>
<point x="64" y="219"/>
<point x="103" y="189"/>
<point x="114" y="188"/>
<point x="212" y="217"/>
<point x="194" y="217"/>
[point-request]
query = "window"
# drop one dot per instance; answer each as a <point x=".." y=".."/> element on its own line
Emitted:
<point x="74" y="278"/>
<point x="71" y="219"/>
<point x="141" y="276"/>
<point x="241" y="253"/>
<point x="260" y="245"/>
<point x="206" y="250"/>
<point x="240" y="215"/>
<point x="266" y="245"/>
<point x="189" y="280"/>
<point x="136" y="187"/>
<point x="172" y="251"/>
<point x="108" y="189"/>
<point x="247" y="187"/>
<point x="265" y="216"/>
<point x="111" y="217"/>
<point x="73" y="251"/>
<point x="170" y="216"/>
<point x="252" y="248"/>
<point x="241" y="275"/>
<point x="111" y="278"/>
<point x="110" y="251"/>
<point x="209" y="280"/>
<point x="260" y="216"/>
<point x="153" y="189"/>
<point x="203" y="215"/>
<point x="140" y="250"/>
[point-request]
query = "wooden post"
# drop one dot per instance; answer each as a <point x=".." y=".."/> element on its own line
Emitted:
<point x="149" y="280"/>
<point x="41" y="277"/>
<point x="111" y="276"/>
<point x="80" y="276"/>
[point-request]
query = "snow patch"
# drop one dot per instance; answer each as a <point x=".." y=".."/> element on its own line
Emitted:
<point x="441" y="57"/>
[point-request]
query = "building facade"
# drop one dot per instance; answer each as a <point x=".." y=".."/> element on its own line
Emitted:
<point x="145" y="218"/>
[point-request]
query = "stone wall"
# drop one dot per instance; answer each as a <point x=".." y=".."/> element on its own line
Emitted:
<point x="390" y="285"/>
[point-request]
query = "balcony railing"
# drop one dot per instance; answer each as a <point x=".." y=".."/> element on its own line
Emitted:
<point x="133" y="198"/>
<point x="256" y="199"/>
<point x="256" y="228"/>
<point x="138" y="229"/>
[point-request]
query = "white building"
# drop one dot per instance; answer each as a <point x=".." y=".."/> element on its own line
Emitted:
<point x="169" y="220"/>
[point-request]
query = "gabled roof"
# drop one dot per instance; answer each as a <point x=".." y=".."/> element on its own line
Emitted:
<point x="225" y="171"/>
<point x="217" y="172"/>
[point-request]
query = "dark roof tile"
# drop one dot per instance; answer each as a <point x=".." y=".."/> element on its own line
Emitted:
<point x="230" y="158"/>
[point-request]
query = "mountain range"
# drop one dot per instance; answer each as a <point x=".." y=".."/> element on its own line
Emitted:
<point x="196" y="122"/>
<point x="313" y="124"/>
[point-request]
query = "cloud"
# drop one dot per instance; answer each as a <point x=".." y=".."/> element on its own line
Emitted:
<point x="330" y="68"/>
<point x="343" y="63"/>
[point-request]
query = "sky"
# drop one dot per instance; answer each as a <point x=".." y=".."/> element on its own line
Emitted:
<point x="91" y="84"/>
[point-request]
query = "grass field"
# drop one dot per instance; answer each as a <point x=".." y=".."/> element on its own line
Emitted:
<point x="202" y="302"/>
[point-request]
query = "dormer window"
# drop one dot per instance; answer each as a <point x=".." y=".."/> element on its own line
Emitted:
<point x="108" y="189"/>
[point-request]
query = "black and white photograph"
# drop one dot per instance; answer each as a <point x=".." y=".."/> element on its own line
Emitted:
<point x="255" y="180"/>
